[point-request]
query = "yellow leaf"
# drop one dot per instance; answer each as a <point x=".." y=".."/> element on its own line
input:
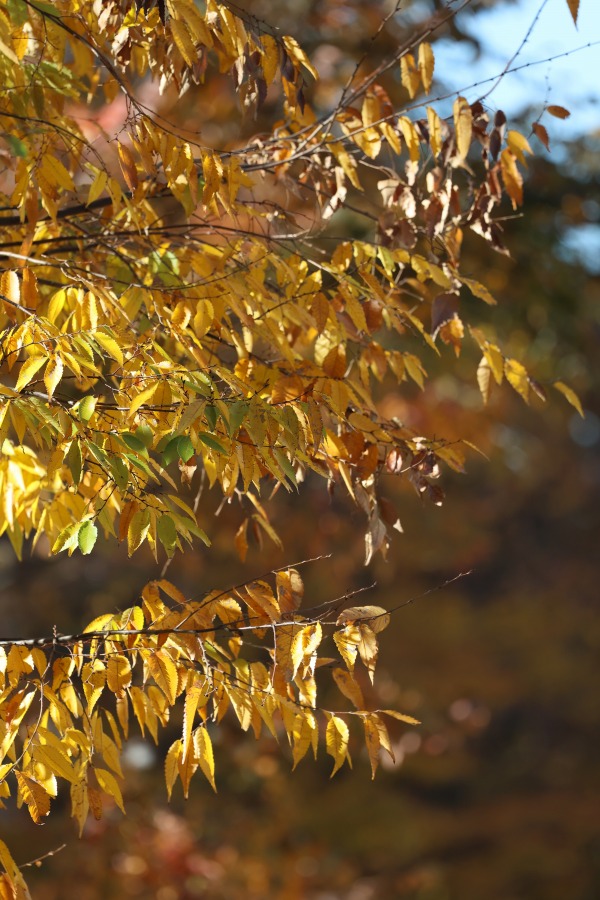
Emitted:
<point x="96" y="188"/>
<point x="479" y="290"/>
<point x="409" y="74"/>
<point x="118" y="673"/>
<point x="298" y="55"/>
<point x="484" y="373"/>
<point x="138" y="529"/>
<point x="183" y="41"/>
<point x="400" y="716"/>
<point x="519" y="145"/>
<point x="57" y="761"/>
<point x="13" y="873"/>
<point x="375" y="616"/>
<point x="290" y="590"/>
<point x="411" y="136"/>
<point x="28" y="370"/>
<point x="164" y="672"/>
<point x="53" y="374"/>
<point x="570" y="395"/>
<point x="171" y="765"/>
<point x="93" y="676"/>
<point x="372" y="741"/>
<point x="516" y="375"/>
<point x="34" y="795"/>
<point x="53" y="171"/>
<point x="336" y="740"/>
<point x="261" y="600"/>
<point x="435" y="131"/>
<point x="426" y="65"/>
<point x="304" y="729"/>
<point x="204" y="752"/>
<point x="304" y="644"/>
<point x="270" y="57"/>
<point x="347" y="641"/>
<point x="79" y="801"/>
<point x="349" y="687"/>
<point x="463" y="125"/>
<point x="334" y="363"/>
<point x="10" y="288"/>
<point x="128" y="167"/>
<point x="368" y="649"/>
<point x="143" y="397"/>
<point x="513" y="181"/>
<point x="108" y="343"/>
<point x="212" y="170"/>
<point x="193" y="696"/>
<point x="110" y="786"/>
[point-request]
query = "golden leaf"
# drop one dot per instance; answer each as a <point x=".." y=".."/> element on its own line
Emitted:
<point x="435" y="131"/>
<point x="336" y="739"/>
<point x="426" y="65"/>
<point x="79" y="801"/>
<point x="463" y="125"/>
<point x="372" y="741"/>
<point x="349" y="687"/>
<point x="570" y="395"/>
<point x="400" y="716"/>
<point x="34" y="795"/>
<point x="118" y="673"/>
<point x="375" y="616"/>
<point x="516" y="375"/>
<point x="163" y="670"/>
<point x="28" y="370"/>
<point x="409" y="74"/>
<point x="204" y="751"/>
<point x="513" y="181"/>
<point x="290" y="590"/>
<point x="519" y="145"/>
<point x="110" y="786"/>
<point x="484" y="373"/>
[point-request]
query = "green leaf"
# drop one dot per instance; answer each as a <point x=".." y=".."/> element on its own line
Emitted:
<point x="134" y="443"/>
<point x="98" y="453"/>
<point x="138" y="529"/>
<point x="212" y="414"/>
<point x="119" y="472"/>
<point x="145" y="434"/>
<point x="179" y="447"/>
<point x="67" y="539"/>
<point x="237" y="413"/>
<point x="18" y="147"/>
<point x="140" y="463"/>
<point x="286" y="466"/>
<point x="170" y="451"/>
<point x="86" y="537"/>
<point x="198" y="388"/>
<point x="185" y="448"/>
<point x="211" y="442"/>
<point x="74" y="461"/>
<point x="86" y="407"/>
<point x="167" y="533"/>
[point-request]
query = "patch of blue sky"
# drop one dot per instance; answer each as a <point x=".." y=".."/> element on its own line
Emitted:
<point x="571" y="80"/>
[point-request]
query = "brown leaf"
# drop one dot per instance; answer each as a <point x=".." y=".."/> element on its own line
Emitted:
<point x="541" y="134"/>
<point x="559" y="112"/>
<point x="573" y="9"/>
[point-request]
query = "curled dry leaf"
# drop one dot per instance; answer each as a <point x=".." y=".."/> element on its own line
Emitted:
<point x="376" y="617"/>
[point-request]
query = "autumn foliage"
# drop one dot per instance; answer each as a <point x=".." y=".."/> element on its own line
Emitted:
<point x="176" y="316"/>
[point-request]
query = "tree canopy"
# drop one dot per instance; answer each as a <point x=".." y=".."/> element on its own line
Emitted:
<point x="179" y="315"/>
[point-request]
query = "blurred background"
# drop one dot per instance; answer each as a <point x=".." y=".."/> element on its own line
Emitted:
<point x="496" y="795"/>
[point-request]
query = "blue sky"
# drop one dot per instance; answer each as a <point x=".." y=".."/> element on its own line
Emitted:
<point x="572" y="81"/>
